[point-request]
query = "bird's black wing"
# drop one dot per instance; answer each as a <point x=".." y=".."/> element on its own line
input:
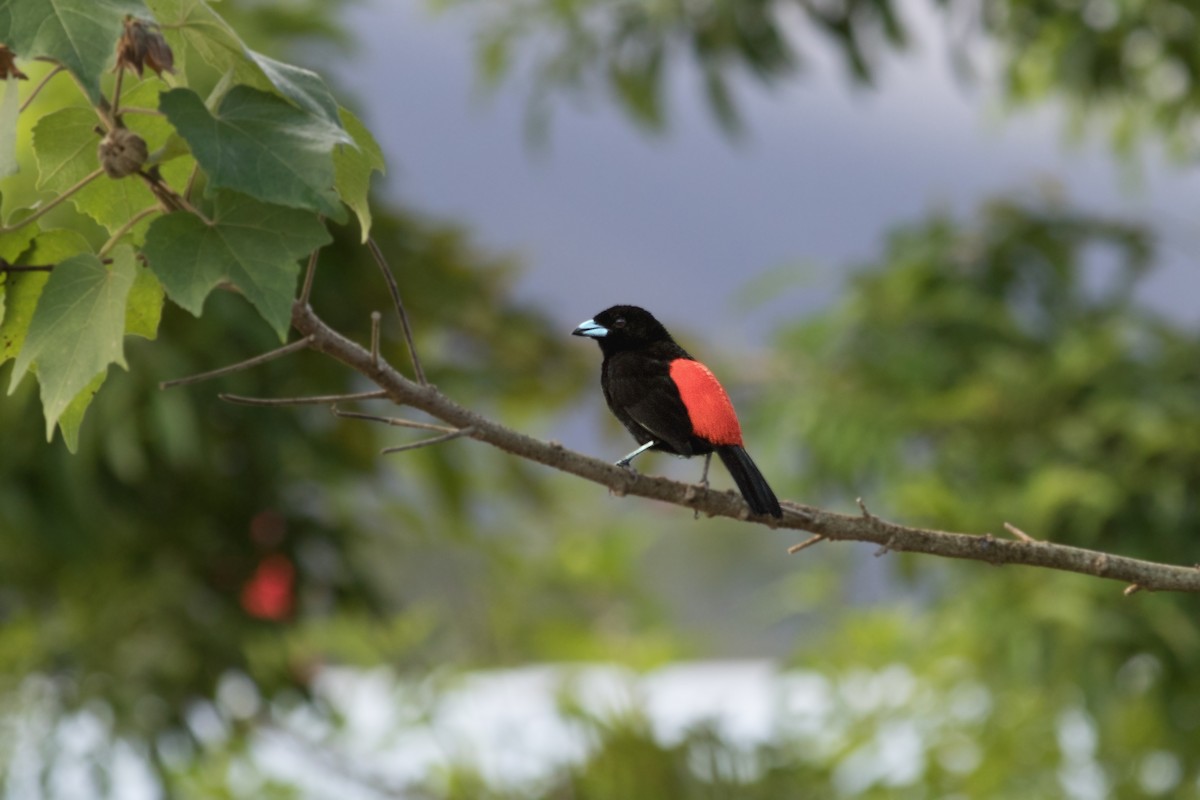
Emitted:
<point x="641" y="394"/>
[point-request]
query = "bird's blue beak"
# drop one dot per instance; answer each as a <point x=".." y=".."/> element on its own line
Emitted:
<point x="590" y="328"/>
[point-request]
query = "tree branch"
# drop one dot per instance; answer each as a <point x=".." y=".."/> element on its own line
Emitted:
<point x="862" y="527"/>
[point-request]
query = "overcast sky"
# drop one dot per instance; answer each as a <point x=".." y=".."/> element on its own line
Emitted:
<point x="680" y="223"/>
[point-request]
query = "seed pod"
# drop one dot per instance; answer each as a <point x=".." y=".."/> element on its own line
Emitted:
<point x="122" y="152"/>
<point x="8" y="67"/>
<point x="143" y="45"/>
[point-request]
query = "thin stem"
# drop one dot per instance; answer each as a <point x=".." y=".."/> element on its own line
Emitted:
<point x="375" y="318"/>
<point x="445" y="437"/>
<point x="809" y="542"/>
<point x="311" y="400"/>
<point x="125" y="228"/>
<point x="5" y="267"/>
<point x="100" y="106"/>
<point x="169" y="197"/>
<point x="53" y="203"/>
<point x="395" y="290"/>
<point x="40" y="85"/>
<point x="116" y="100"/>
<point x="279" y="352"/>
<point x="309" y="274"/>
<point x="191" y="182"/>
<point x="395" y="421"/>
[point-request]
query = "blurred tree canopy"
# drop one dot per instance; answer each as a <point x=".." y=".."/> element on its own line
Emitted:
<point x="984" y="368"/>
<point x="1132" y="64"/>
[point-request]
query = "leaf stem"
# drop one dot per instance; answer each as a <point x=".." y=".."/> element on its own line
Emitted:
<point x="53" y="203"/>
<point x="395" y="290"/>
<point x="124" y="229"/>
<point x="116" y="100"/>
<point x="40" y="85"/>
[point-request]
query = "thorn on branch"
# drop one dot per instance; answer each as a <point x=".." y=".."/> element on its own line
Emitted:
<point x="279" y="352"/>
<point x="375" y="318"/>
<point x="863" y="507"/>
<point x="809" y="542"/>
<point x="1133" y="588"/>
<point x="886" y="547"/>
<point x="445" y="437"/>
<point x="1017" y="532"/>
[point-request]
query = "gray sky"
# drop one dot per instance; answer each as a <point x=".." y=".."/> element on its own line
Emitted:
<point x="680" y="223"/>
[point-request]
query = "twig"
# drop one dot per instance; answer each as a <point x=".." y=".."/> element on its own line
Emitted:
<point x="116" y="101"/>
<point x="863" y="507"/>
<point x="125" y="228"/>
<point x="375" y="318"/>
<point x="309" y="273"/>
<point x="396" y="421"/>
<point x="809" y="542"/>
<point x="278" y="352"/>
<point x="313" y="400"/>
<point x="445" y="437"/>
<point x="171" y="199"/>
<point x="6" y="267"/>
<point x="395" y="290"/>
<point x="191" y="182"/>
<point x="1017" y="532"/>
<point x="51" y="205"/>
<point x="40" y="85"/>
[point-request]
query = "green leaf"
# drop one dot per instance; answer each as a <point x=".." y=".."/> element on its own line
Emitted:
<point x="12" y="244"/>
<point x="80" y="34"/>
<point x="259" y="144"/>
<point x="250" y="244"/>
<point x="353" y="167"/>
<point x="64" y="143"/>
<point x="10" y="111"/>
<point x="72" y="416"/>
<point x="77" y="329"/>
<point x="143" y="312"/>
<point x="192" y="27"/>
<point x="24" y="288"/>
<point x="303" y="87"/>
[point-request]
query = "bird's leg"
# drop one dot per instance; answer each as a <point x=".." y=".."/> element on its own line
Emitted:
<point x="624" y="462"/>
<point x="703" y="482"/>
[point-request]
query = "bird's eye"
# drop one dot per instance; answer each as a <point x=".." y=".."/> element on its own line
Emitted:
<point x="619" y="323"/>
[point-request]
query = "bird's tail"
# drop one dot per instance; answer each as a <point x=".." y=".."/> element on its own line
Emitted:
<point x="749" y="480"/>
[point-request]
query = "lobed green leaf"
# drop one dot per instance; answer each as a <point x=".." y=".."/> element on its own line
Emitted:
<point x="253" y="245"/>
<point x="259" y="144"/>
<point x="77" y="328"/>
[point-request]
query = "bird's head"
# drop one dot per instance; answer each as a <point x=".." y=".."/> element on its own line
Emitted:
<point x="623" y="328"/>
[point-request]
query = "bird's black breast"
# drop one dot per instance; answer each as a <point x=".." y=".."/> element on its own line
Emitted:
<point x="638" y="388"/>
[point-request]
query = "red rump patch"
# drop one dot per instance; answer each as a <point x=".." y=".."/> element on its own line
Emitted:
<point x="712" y="415"/>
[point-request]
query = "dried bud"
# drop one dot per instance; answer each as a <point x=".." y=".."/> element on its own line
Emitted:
<point x="142" y="45"/>
<point x="122" y="152"/>
<point x="8" y="67"/>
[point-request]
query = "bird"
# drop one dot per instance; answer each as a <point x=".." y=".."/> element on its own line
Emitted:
<point x="669" y="401"/>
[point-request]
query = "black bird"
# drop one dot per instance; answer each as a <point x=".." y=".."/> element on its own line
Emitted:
<point x="669" y="401"/>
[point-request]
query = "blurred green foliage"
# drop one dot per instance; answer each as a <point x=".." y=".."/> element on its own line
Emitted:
<point x="1133" y="64"/>
<point x="997" y="368"/>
